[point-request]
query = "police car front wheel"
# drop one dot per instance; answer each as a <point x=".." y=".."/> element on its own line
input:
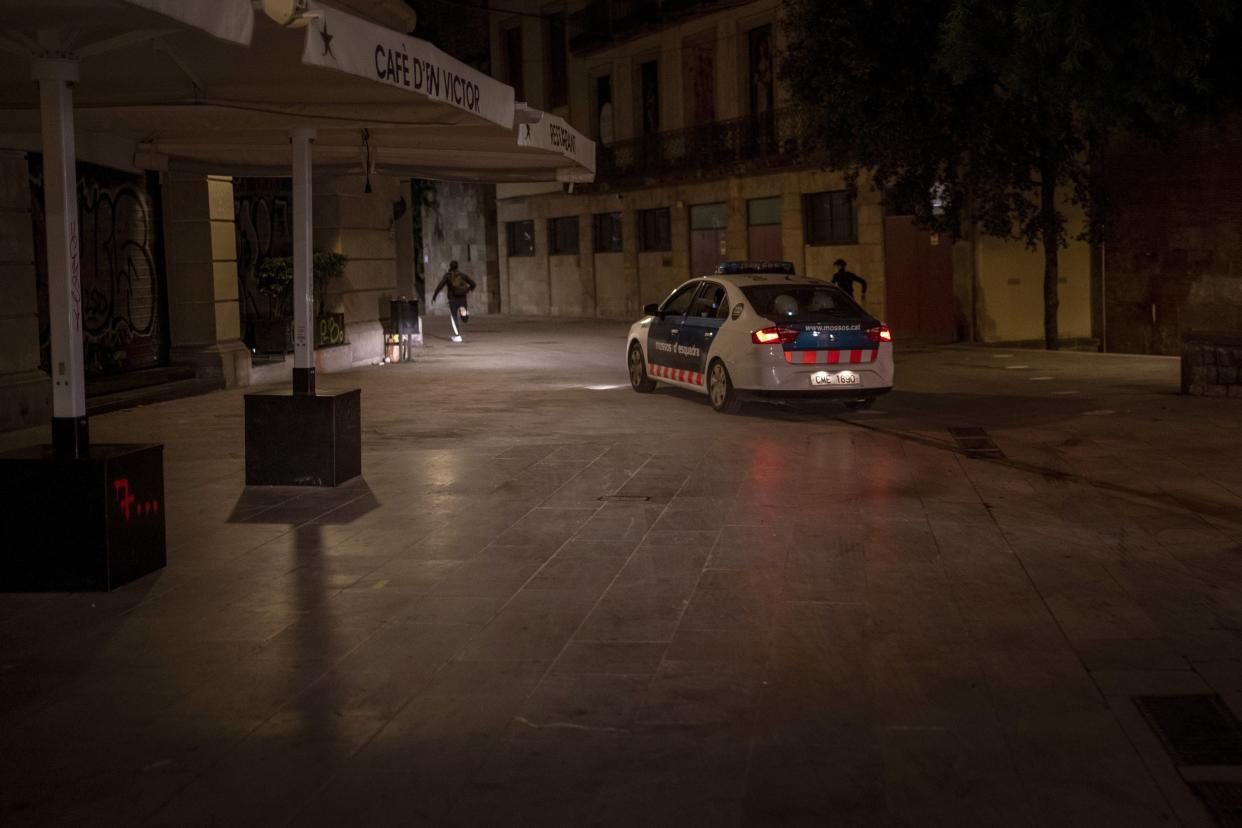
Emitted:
<point x="720" y="389"/>
<point x="642" y="383"/>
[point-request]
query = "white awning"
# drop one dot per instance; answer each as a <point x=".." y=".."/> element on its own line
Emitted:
<point x="338" y="70"/>
<point x="378" y="100"/>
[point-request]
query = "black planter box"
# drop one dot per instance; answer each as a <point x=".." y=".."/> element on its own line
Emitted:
<point x="303" y="439"/>
<point x="88" y="525"/>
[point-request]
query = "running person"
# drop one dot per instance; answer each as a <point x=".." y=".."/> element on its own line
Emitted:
<point x="458" y="286"/>
<point x="845" y="280"/>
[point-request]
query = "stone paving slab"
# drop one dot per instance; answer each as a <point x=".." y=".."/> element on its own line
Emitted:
<point x="550" y="600"/>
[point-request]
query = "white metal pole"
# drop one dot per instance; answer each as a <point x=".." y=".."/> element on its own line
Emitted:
<point x="56" y="77"/>
<point x="303" y="279"/>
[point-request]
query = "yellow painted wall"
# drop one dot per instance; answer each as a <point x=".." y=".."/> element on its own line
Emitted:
<point x="622" y="283"/>
<point x="1009" y="287"/>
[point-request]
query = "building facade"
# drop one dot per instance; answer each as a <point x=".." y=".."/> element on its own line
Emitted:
<point x="700" y="159"/>
<point x="169" y="260"/>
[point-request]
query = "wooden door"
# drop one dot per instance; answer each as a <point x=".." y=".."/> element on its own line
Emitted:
<point x="918" y="271"/>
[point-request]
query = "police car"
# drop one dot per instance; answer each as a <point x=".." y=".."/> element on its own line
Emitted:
<point x="757" y="329"/>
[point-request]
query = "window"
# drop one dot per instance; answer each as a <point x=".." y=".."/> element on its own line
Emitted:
<point x="763" y="229"/>
<point x="709" y="216"/>
<point x="709" y="300"/>
<point x="679" y="302"/>
<point x="513" y="61"/>
<point x="649" y="98"/>
<point x="805" y="302"/>
<point x="558" y="64"/>
<point x="762" y="87"/>
<point x="563" y="235"/>
<point x="521" y="236"/>
<point x="761" y="212"/>
<point x="700" y="69"/>
<point x="654" y="230"/>
<point x="829" y="218"/>
<point x="603" y="109"/>
<point x="707" y="237"/>
<point x="607" y="232"/>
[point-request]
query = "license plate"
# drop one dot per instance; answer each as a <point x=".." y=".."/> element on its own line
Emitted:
<point x="838" y="378"/>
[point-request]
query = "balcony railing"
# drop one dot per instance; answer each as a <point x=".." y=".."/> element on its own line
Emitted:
<point x="602" y="22"/>
<point x="766" y="140"/>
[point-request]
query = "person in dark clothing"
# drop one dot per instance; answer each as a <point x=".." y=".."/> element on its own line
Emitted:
<point x="845" y="280"/>
<point x="458" y="285"/>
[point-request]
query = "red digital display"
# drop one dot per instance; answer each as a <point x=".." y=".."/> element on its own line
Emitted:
<point x="131" y="506"/>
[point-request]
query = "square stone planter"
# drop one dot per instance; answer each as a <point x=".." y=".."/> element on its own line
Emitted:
<point x="1212" y="364"/>
<point x="88" y="525"/>
<point x="303" y="439"/>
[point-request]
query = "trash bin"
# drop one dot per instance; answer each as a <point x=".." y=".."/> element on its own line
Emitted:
<point x="406" y="329"/>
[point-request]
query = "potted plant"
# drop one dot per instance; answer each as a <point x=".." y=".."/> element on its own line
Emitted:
<point x="274" y="276"/>
<point x="329" y="268"/>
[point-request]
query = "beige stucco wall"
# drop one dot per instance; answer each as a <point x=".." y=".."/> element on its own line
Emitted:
<point x="201" y="259"/>
<point x="615" y="286"/>
<point x="1009" y="287"/>
<point x="623" y="282"/>
<point x="359" y="224"/>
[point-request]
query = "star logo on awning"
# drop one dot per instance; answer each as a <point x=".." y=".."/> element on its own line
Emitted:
<point x="327" y="39"/>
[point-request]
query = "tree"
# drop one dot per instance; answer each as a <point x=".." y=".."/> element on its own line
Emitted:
<point x="996" y="106"/>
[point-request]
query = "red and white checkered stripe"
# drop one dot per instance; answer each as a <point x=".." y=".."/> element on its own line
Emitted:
<point x="837" y="357"/>
<point x="675" y="374"/>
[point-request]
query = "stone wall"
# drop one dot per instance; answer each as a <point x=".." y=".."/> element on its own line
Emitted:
<point x="460" y="225"/>
<point x="1212" y="365"/>
<point x="1172" y="259"/>
<point x="25" y="390"/>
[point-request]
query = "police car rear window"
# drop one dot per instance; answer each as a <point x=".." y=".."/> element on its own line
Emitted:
<point x="800" y="301"/>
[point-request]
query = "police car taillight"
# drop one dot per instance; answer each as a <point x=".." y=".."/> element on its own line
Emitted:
<point x="880" y="333"/>
<point x="771" y="336"/>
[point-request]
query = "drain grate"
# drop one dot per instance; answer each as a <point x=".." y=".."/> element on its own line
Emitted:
<point x="624" y="498"/>
<point x="1223" y="800"/>
<point x="1196" y="730"/>
<point x="975" y="442"/>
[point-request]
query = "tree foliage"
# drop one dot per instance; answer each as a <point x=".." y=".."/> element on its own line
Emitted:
<point x="274" y="277"/>
<point x="998" y="106"/>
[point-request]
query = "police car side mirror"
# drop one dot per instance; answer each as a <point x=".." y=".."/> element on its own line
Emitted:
<point x="652" y="310"/>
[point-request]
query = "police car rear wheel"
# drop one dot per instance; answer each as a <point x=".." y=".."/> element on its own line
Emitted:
<point x="720" y="389"/>
<point x="642" y="383"/>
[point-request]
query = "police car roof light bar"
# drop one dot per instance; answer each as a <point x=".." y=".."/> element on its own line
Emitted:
<point x="740" y="266"/>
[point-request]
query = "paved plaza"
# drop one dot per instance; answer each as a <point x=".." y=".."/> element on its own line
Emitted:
<point x="553" y="601"/>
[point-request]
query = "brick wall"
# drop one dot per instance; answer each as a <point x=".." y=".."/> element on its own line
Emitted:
<point x="1212" y="365"/>
<point x="1172" y="260"/>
